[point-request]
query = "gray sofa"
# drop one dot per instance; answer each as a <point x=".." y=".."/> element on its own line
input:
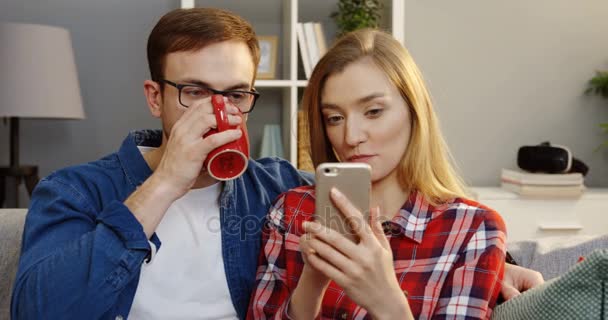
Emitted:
<point x="553" y="256"/>
<point x="11" y="228"/>
<point x="550" y="256"/>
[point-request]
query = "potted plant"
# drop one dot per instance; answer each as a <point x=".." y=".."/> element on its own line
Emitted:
<point x="357" y="14"/>
<point x="598" y="85"/>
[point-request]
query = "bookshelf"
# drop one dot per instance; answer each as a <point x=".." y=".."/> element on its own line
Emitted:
<point x="291" y="77"/>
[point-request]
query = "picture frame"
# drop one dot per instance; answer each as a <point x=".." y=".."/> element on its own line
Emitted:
<point x="268" y="57"/>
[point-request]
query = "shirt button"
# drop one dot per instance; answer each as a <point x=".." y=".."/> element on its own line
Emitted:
<point x="344" y="315"/>
<point x="119" y="317"/>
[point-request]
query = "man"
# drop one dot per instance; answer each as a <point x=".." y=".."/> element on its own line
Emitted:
<point x="86" y="234"/>
<point x="92" y="239"/>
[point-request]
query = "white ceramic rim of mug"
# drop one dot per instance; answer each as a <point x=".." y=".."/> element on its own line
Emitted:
<point x="222" y="152"/>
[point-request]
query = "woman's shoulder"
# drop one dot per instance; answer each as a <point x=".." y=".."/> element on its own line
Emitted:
<point x="293" y="207"/>
<point x="477" y="213"/>
<point x="478" y="226"/>
<point x="297" y="196"/>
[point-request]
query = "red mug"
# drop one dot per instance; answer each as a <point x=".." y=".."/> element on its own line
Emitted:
<point x="229" y="161"/>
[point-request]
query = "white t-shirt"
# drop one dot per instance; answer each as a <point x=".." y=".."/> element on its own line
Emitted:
<point x="185" y="279"/>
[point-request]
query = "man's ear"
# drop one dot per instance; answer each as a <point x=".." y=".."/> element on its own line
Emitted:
<point x="153" y="97"/>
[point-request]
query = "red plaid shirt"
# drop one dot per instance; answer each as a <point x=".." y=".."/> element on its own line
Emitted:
<point x="450" y="259"/>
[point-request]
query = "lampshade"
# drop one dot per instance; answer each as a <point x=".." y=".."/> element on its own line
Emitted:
<point x="38" y="77"/>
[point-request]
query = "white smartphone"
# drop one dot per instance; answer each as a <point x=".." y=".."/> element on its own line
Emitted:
<point x="354" y="181"/>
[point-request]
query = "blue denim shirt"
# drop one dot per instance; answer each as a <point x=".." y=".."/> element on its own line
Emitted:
<point x="83" y="249"/>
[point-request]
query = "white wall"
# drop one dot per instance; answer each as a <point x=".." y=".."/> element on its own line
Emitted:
<point x="503" y="74"/>
<point x="510" y="73"/>
<point x="109" y="39"/>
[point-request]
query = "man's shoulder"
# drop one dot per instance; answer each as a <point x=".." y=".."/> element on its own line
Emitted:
<point x="108" y="162"/>
<point x="93" y="172"/>
<point x="278" y="171"/>
<point x="271" y="163"/>
<point x="88" y="185"/>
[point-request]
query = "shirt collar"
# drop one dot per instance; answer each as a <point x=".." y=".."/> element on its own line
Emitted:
<point x="413" y="217"/>
<point x="133" y="163"/>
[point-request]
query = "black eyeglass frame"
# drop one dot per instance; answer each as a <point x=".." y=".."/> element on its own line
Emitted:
<point x="180" y="86"/>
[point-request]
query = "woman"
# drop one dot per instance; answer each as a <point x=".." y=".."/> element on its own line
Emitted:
<point x="435" y="255"/>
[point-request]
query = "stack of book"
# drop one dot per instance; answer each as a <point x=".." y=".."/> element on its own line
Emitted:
<point x="312" y="43"/>
<point x="543" y="185"/>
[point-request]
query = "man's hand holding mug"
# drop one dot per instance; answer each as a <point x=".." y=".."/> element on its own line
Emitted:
<point x="186" y="150"/>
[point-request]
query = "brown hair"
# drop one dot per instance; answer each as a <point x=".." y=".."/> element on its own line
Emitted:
<point x="426" y="165"/>
<point x="193" y="29"/>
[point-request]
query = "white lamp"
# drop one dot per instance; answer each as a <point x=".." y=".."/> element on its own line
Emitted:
<point x="38" y="79"/>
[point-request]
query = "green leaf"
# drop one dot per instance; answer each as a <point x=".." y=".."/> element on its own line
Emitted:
<point x="598" y="85"/>
<point x="603" y="145"/>
<point x="355" y="14"/>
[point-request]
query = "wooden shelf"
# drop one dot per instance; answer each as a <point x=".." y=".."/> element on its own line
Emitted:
<point x="275" y="83"/>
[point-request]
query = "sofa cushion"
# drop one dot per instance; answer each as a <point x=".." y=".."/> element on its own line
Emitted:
<point x="553" y="256"/>
<point x="578" y="294"/>
<point x="11" y="229"/>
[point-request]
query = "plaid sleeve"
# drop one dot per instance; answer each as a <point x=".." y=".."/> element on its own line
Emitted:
<point x="271" y="294"/>
<point x="473" y="284"/>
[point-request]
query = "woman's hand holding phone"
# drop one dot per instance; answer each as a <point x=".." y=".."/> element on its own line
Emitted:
<point x="364" y="269"/>
<point x="306" y="299"/>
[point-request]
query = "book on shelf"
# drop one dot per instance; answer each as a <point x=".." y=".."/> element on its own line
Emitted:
<point x="546" y="191"/>
<point x="320" y="37"/>
<point x="312" y="43"/>
<point x="519" y="177"/>
<point x="303" y="50"/>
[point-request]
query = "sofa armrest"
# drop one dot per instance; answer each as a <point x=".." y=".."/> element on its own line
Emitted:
<point x="11" y="229"/>
<point x="553" y="256"/>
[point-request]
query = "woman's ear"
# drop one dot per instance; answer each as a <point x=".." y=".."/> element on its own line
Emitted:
<point x="153" y="97"/>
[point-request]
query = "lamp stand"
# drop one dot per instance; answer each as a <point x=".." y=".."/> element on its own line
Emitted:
<point x="28" y="173"/>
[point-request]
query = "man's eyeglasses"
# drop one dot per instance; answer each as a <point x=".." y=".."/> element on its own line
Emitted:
<point x="190" y="94"/>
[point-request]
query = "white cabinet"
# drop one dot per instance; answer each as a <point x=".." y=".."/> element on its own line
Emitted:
<point x="290" y="81"/>
<point x="535" y="218"/>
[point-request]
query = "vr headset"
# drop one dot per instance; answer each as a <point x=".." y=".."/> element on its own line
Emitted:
<point x="549" y="158"/>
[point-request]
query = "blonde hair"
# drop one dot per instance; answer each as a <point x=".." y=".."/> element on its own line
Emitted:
<point x="426" y="166"/>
